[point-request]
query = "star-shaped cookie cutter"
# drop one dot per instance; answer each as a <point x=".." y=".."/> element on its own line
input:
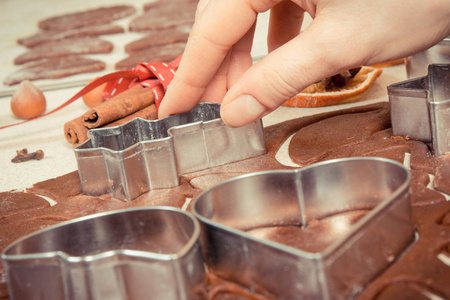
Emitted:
<point x="420" y="108"/>
<point x="128" y="160"/>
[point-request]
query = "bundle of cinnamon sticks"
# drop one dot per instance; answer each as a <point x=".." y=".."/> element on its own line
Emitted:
<point x="138" y="101"/>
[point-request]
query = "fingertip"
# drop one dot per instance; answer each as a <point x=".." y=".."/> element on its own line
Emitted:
<point x="241" y="111"/>
<point x="168" y="107"/>
<point x="162" y="113"/>
<point x="171" y="109"/>
<point x="179" y="98"/>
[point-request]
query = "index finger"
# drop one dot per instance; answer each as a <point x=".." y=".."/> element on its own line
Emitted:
<point x="219" y="25"/>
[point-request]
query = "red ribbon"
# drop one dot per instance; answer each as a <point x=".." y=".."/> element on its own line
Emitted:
<point x="156" y="76"/>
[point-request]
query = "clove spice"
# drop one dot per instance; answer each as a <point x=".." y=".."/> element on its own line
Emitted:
<point x="23" y="155"/>
<point x="339" y="80"/>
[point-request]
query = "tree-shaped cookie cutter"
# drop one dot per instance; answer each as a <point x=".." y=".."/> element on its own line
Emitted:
<point x="230" y="210"/>
<point x="420" y="108"/>
<point x="128" y="160"/>
<point x="145" y="253"/>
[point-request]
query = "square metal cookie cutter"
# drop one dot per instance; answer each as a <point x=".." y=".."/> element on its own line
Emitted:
<point x="420" y="108"/>
<point x="128" y="160"/>
<point x="297" y="197"/>
<point x="145" y="253"/>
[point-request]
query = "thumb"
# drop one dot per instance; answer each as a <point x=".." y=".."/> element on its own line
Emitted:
<point x="282" y="74"/>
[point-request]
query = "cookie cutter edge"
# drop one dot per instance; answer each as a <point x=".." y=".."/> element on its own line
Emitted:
<point x="128" y="160"/>
<point x="295" y="274"/>
<point x="420" y="108"/>
<point x="87" y="258"/>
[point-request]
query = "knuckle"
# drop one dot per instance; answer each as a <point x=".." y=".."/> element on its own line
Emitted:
<point x="278" y="87"/>
<point x="206" y="37"/>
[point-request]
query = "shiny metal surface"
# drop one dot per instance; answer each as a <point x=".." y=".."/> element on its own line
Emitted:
<point x="301" y="197"/>
<point x="417" y="64"/>
<point x="146" y="253"/>
<point x="409" y="109"/>
<point x="420" y="108"/>
<point x="127" y="160"/>
<point x="439" y="103"/>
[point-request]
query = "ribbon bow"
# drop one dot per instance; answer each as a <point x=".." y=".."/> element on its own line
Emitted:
<point x="154" y="75"/>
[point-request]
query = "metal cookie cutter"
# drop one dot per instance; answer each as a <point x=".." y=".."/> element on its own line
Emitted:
<point x="146" y="253"/>
<point x="229" y="211"/>
<point x="128" y="160"/>
<point x="416" y="64"/>
<point x="420" y="108"/>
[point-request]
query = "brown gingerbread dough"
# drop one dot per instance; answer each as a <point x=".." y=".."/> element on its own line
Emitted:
<point x="417" y="272"/>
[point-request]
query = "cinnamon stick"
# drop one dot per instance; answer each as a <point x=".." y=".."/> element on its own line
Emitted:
<point x="148" y="113"/>
<point x="76" y="133"/>
<point x="120" y="106"/>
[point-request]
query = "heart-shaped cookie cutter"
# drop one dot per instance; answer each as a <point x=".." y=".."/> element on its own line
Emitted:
<point x="145" y="253"/>
<point x="229" y="210"/>
<point x="420" y="108"/>
<point x="128" y="160"/>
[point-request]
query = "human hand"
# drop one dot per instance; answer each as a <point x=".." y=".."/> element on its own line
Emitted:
<point x="217" y="65"/>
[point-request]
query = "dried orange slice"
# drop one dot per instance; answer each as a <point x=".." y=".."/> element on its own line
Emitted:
<point x="316" y="95"/>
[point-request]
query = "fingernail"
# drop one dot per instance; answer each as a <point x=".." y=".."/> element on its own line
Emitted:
<point x="242" y="111"/>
